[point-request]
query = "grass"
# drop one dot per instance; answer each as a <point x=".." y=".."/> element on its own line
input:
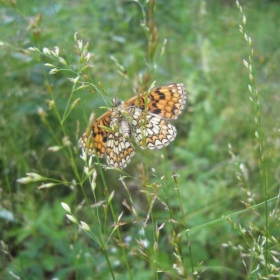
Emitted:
<point x="205" y="207"/>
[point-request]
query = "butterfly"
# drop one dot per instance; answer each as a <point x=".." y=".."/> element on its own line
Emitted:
<point x="143" y="117"/>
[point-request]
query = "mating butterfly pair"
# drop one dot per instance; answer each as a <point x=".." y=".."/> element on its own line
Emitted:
<point x="145" y="117"/>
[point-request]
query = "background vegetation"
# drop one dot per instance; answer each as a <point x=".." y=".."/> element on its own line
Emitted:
<point x="213" y="180"/>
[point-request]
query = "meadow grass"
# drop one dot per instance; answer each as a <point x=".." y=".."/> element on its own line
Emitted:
<point x="205" y="207"/>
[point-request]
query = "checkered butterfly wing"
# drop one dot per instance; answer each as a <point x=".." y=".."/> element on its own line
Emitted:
<point x="94" y="140"/>
<point x="166" y="101"/>
<point x="150" y="114"/>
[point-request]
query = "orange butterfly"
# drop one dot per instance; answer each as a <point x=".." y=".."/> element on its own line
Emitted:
<point x="145" y="117"/>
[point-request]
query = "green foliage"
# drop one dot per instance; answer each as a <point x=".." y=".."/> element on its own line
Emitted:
<point x="204" y="207"/>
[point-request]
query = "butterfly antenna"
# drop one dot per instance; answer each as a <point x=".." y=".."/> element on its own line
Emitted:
<point x="123" y="76"/>
<point x="104" y="93"/>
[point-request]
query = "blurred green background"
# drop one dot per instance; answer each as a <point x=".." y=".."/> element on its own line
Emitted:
<point x="205" y="51"/>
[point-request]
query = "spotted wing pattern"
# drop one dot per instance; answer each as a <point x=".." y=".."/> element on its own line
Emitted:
<point x="151" y="131"/>
<point x="94" y="140"/>
<point x="144" y="116"/>
<point x="119" y="150"/>
<point x="166" y="101"/>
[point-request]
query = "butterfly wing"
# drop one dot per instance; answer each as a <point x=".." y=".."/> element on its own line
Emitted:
<point x="94" y="140"/>
<point x="119" y="150"/>
<point x="151" y="131"/>
<point x="166" y="101"/>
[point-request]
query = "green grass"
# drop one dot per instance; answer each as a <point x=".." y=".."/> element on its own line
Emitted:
<point x="204" y="207"/>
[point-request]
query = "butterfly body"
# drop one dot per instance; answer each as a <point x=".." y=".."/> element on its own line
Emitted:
<point x="144" y="118"/>
<point x="119" y="122"/>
